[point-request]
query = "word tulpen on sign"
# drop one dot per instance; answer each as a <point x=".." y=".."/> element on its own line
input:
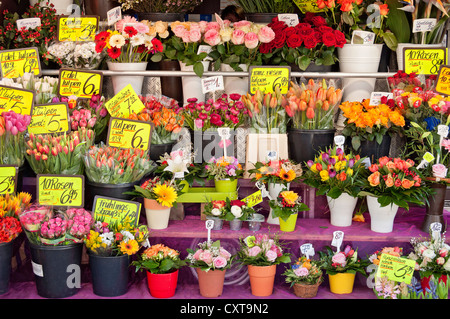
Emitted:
<point x="49" y="118"/>
<point x="15" y="63"/>
<point x="82" y="84"/>
<point x="17" y="100"/>
<point x="129" y="134"/>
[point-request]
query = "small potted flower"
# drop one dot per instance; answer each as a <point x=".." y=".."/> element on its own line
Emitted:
<point x="286" y="207"/>
<point x="341" y="268"/>
<point x="261" y="254"/>
<point x="110" y="247"/>
<point x="225" y="171"/>
<point x="305" y="276"/>
<point x="237" y="211"/>
<point x="216" y="211"/>
<point x="336" y="174"/>
<point x="210" y="261"/>
<point x="162" y="265"/>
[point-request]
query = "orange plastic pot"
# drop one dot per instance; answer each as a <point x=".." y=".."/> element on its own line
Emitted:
<point x="211" y="282"/>
<point x="262" y="279"/>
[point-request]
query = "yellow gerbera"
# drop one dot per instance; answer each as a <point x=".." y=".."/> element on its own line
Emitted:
<point x="290" y="197"/>
<point x="287" y="176"/>
<point x="130" y="247"/>
<point x="165" y="195"/>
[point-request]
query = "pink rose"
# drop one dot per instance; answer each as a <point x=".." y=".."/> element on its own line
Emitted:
<point x="219" y="262"/>
<point x="440" y="260"/>
<point x="301" y="272"/>
<point x="340" y="259"/>
<point x="224" y="253"/>
<point x="242" y="24"/>
<point x="198" y="123"/>
<point x="439" y="170"/>
<point x="179" y="30"/>
<point x="238" y="37"/>
<point x="446" y="144"/>
<point x="197" y="254"/>
<point x="195" y="35"/>
<point x="266" y="34"/>
<point x="206" y="257"/>
<point x="251" y="40"/>
<point x="443" y="252"/>
<point x="254" y="251"/>
<point x="202" y="25"/>
<point x="212" y="26"/>
<point x="271" y="255"/>
<point x="212" y="37"/>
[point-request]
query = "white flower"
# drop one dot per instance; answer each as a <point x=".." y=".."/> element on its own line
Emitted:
<point x="216" y="212"/>
<point x="117" y="40"/>
<point x="429" y="253"/>
<point x="137" y="40"/>
<point x="177" y="165"/>
<point x="446" y="266"/>
<point x="148" y="42"/>
<point x="127" y="235"/>
<point x="236" y="211"/>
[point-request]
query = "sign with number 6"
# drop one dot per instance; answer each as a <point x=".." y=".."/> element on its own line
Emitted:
<point x="82" y="84"/>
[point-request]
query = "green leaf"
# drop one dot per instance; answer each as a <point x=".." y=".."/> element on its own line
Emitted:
<point x="303" y="62"/>
<point x="356" y="142"/>
<point x="397" y="22"/>
<point x="391" y="40"/>
<point x="198" y="68"/>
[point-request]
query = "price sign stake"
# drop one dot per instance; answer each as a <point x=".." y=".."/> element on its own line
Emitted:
<point x="338" y="237"/>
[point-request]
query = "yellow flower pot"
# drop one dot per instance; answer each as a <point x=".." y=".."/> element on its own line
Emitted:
<point x="289" y="224"/>
<point x="342" y="283"/>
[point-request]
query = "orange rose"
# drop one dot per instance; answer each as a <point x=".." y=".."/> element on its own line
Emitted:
<point x="389" y="181"/>
<point x="383" y="161"/>
<point x="374" y="179"/>
<point x="218" y="204"/>
<point x="406" y="183"/>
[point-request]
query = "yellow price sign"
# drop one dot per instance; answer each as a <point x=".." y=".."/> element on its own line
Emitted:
<point x="423" y="61"/>
<point x="124" y="103"/>
<point x="17" y="100"/>
<point x="8" y="179"/>
<point x="267" y="78"/>
<point x="113" y="211"/>
<point x="49" y="119"/>
<point x="124" y="133"/>
<point x="396" y="268"/>
<point x="253" y="199"/>
<point x="308" y="6"/>
<point x="82" y="84"/>
<point x="77" y="28"/>
<point x="443" y="80"/>
<point x="60" y="190"/>
<point x="14" y="63"/>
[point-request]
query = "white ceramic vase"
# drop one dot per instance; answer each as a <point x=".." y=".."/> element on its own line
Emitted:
<point x="341" y="209"/>
<point x="121" y="81"/>
<point x="235" y="84"/>
<point x="192" y="85"/>
<point x="381" y="218"/>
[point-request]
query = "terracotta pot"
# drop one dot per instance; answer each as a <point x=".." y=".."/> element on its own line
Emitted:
<point x="211" y="282"/>
<point x="262" y="279"/>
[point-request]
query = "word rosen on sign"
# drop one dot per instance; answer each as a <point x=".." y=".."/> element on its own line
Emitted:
<point x="267" y="78"/>
<point x="423" y="61"/>
<point x="49" y="119"/>
<point x="113" y="210"/>
<point x="129" y="133"/>
<point x="17" y="100"/>
<point x="60" y="190"/>
<point x="8" y="179"/>
<point x="15" y="63"/>
<point x="82" y="84"/>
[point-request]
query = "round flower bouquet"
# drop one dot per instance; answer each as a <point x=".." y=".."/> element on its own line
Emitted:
<point x="305" y="275"/>
<point x="282" y="171"/>
<point x="224" y="169"/>
<point x="216" y="210"/>
<point x="287" y="205"/>
<point x="78" y="55"/>
<point x="11" y="206"/>
<point x="13" y="129"/>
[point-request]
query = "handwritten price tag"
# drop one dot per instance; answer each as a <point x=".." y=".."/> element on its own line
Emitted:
<point x="307" y="250"/>
<point x="49" y="119"/>
<point x="362" y="37"/>
<point x="28" y="23"/>
<point x="443" y="80"/>
<point x="375" y="97"/>
<point x="124" y="103"/>
<point x="253" y="199"/>
<point x="8" y="179"/>
<point x="60" y="190"/>
<point x="267" y="78"/>
<point x="129" y="134"/>
<point x="113" y="211"/>
<point x="114" y="15"/>
<point x="82" y="84"/>
<point x="423" y="25"/>
<point x="338" y="237"/>
<point x="291" y="19"/>
<point x="77" y="28"/>
<point x="424" y="61"/>
<point x="212" y="84"/>
<point x="396" y="268"/>
<point x="18" y="100"/>
<point x="14" y="63"/>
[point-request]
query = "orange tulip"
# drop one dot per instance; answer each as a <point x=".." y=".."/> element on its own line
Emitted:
<point x="310" y="113"/>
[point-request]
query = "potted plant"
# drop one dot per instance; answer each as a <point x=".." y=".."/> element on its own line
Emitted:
<point x="210" y="261"/>
<point x="390" y="183"/>
<point x="261" y="254"/>
<point x="336" y="175"/>
<point x="286" y="207"/>
<point x="341" y="268"/>
<point x="127" y="48"/>
<point x="110" y="247"/>
<point x="56" y="243"/>
<point x="370" y="128"/>
<point x="237" y="211"/>
<point x="161" y="264"/>
<point x="225" y="171"/>
<point x="10" y="229"/>
<point x="312" y="107"/>
<point x="432" y="263"/>
<point x="215" y="210"/>
<point x="305" y="276"/>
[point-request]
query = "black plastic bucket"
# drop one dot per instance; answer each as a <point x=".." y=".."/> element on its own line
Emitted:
<point x="304" y="145"/>
<point x="373" y="150"/>
<point x="6" y="251"/>
<point x="109" y="275"/>
<point x="158" y="150"/>
<point x="109" y="190"/>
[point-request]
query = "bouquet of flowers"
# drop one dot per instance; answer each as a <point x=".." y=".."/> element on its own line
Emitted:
<point x="111" y="165"/>
<point x="310" y="41"/>
<point x="394" y="181"/>
<point x="226" y="111"/>
<point x="313" y="105"/>
<point x="78" y="55"/>
<point x="43" y="226"/>
<point x="164" y="192"/>
<point x="117" y="239"/>
<point x="286" y="204"/>
<point x="11" y="206"/>
<point x="13" y="128"/>
<point x="159" y="259"/>
<point x="432" y="261"/>
<point x="238" y="44"/>
<point x="61" y="154"/>
<point x="267" y="112"/>
<point x="209" y="256"/>
<point x="228" y="209"/>
<point x="262" y="250"/>
<point x="224" y="168"/>
<point x="368" y="122"/>
<point x="342" y="261"/>
<point x="333" y="172"/>
<point x="45" y="88"/>
<point x="304" y="271"/>
<point x="282" y="171"/>
<point x="129" y="43"/>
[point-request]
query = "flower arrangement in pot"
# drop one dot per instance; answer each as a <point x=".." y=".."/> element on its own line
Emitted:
<point x="225" y="171"/>
<point x="211" y="261"/>
<point x="337" y="175"/>
<point x="110" y="247"/>
<point x="261" y="254"/>
<point x="237" y="211"/>
<point x="162" y="265"/>
<point x="390" y="183"/>
<point x="13" y="130"/>
<point x="305" y="276"/>
<point x="286" y="207"/>
<point x="215" y="210"/>
<point x="341" y="268"/>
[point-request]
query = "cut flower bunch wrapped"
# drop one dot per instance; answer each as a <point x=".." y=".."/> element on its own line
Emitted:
<point x="11" y="206"/>
<point x="13" y="129"/>
<point x="159" y="259"/>
<point x="77" y="55"/>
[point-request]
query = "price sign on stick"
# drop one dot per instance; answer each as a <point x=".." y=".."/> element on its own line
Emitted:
<point x="253" y="199"/>
<point x="77" y="28"/>
<point x="424" y="61"/>
<point x="224" y="133"/>
<point x="209" y="225"/>
<point x="60" y="190"/>
<point x="82" y="84"/>
<point x="396" y="268"/>
<point x="436" y="229"/>
<point x="263" y="190"/>
<point x="15" y="63"/>
<point x="338" y="237"/>
<point x="339" y="140"/>
<point x="307" y="250"/>
<point x="124" y="103"/>
<point x="114" y="211"/>
<point x="443" y="80"/>
<point x="8" y="179"/>
<point x="212" y="84"/>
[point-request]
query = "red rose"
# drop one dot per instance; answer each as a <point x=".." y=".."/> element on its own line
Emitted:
<point x="325" y="28"/>
<point x="280" y="39"/>
<point x="306" y="32"/>
<point x="329" y="39"/>
<point x="277" y="26"/>
<point x="265" y="48"/>
<point x="318" y="35"/>
<point x="318" y="21"/>
<point x="294" y="41"/>
<point x="310" y="42"/>
<point x="237" y="202"/>
<point x="302" y="26"/>
<point x="290" y="31"/>
<point x="340" y="38"/>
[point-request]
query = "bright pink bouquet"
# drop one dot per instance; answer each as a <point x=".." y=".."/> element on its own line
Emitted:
<point x="13" y="127"/>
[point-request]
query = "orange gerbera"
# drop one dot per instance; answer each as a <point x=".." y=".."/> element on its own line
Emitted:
<point x="288" y="176"/>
